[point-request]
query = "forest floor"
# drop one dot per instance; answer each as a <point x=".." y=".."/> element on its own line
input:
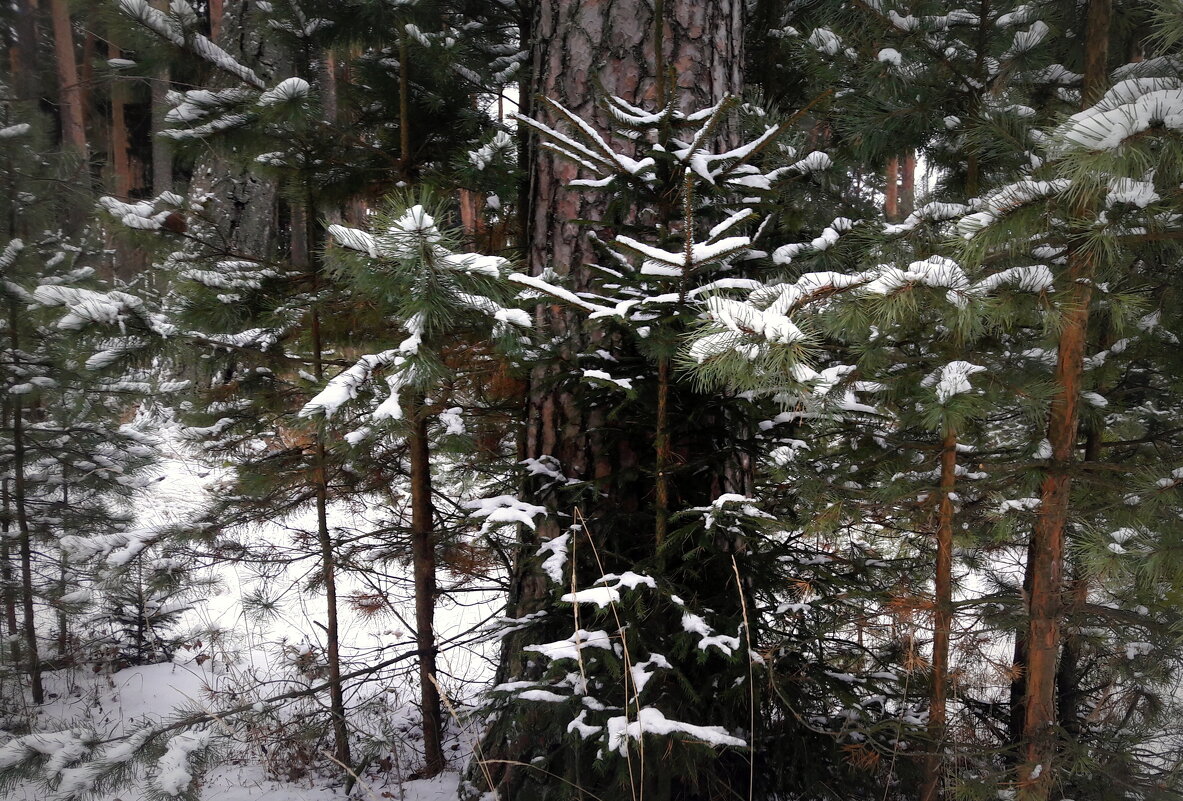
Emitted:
<point x="231" y="657"/>
<point x="242" y="771"/>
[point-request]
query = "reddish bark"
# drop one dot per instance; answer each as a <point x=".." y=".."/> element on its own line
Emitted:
<point x="70" y="102"/>
<point x="582" y="51"/>
<point x="1046" y="567"/>
<point x="891" y="202"/>
<point x="471" y="215"/>
<point x="908" y="185"/>
<point x="215" y="19"/>
<point x="942" y="622"/>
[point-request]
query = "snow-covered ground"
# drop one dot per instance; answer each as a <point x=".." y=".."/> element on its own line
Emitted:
<point x="233" y="657"/>
<point x="134" y="696"/>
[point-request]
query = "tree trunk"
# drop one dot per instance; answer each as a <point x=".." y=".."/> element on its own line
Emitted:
<point x="891" y="202"/>
<point x="423" y="565"/>
<point x="6" y="572"/>
<point x="581" y="51"/>
<point x="244" y="207"/>
<point x="404" y="106"/>
<point x="24" y="54"/>
<point x="332" y="636"/>
<point x="32" y="658"/>
<point x="1016" y="723"/>
<point x="63" y="583"/>
<point x="942" y="622"/>
<point x="215" y="19"/>
<point x="1036" y="776"/>
<point x="908" y="185"/>
<point x="579" y="47"/>
<point x="120" y="162"/>
<point x="300" y="253"/>
<point x="69" y="90"/>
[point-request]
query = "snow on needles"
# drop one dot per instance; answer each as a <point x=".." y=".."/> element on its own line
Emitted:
<point x="1130" y="107"/>
<point x="952" y="380"/>
<point x="652" y="721"/>
<point x="285" y="92"/>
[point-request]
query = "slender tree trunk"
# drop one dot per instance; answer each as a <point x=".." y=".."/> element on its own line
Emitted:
<point x="69" y="90"/>
<point x="1036" y="774"/>
<point x="404" y="105"/>
<point x="332" y="632"/>
<point x="19" y="498"/>
<point x="300" y="252"/>
<point x="891" y="203"/>
<point x="423" y="565"/>
<point x="6" y="572"/>
<point x="942" y="622"/>
<point x="63" y="574"/>
<point x="422" y="514"/>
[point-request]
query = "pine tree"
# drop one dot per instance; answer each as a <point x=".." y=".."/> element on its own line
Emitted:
<point x="431" y="292"/>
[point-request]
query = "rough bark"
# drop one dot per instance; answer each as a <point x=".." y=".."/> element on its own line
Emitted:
<point x="942" y="623"/>
<point x="908" y="185"/>
<point x="582" y="51"/>
<point x="1045" y="603"/>
<point x="70" y="103"/>
<point x="120" y="160"/>
<point x="579" y="48"/>
<point x="215" y="18"/>
<point x="423" y="566"/>
<point x="162" y="149"/>
<point x="242" y="215"/>
<point x="891" y="201"/>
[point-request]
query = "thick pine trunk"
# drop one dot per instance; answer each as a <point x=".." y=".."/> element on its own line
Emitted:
<point x="423" y="565"/>
<point x="120" y="147"/>
<point x="162" y="149"/>
<point x="70" y="102"/>
<point x="1046" y="603"/>
<point x="244" y="211"/>
<point x="582" y="50"/>
<point x="578" y="48"/>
